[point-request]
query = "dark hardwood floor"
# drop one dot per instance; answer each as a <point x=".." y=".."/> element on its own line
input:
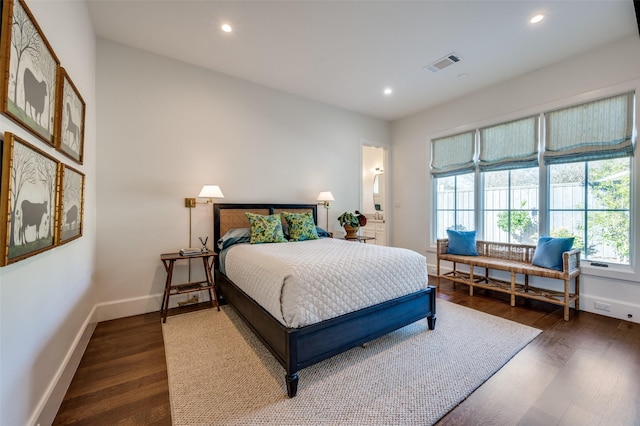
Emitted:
<point x="582" y="372"/>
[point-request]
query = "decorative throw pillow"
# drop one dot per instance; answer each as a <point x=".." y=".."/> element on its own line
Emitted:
<point x="462" y="242"/>
<point x="322" y="233"/>
<point x="234" y="236"/>
<point x="549" y="251"/>
<point x="266" y="229"/>
<point x="301" y="226"/>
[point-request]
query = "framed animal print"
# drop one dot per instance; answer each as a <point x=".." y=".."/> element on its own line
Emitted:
<point x="69" y="133"/>
<point x="71" y="204"/>
<point x="28" y="206"/>
<point x="28" y="72"/>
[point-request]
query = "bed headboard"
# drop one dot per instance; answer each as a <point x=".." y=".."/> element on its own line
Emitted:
<point x="228" y="216"/>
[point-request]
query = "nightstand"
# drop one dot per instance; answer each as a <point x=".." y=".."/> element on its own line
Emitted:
<point x="168" y="260"/>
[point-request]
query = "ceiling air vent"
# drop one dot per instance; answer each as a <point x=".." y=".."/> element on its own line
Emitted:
<point x="442" y="63"/>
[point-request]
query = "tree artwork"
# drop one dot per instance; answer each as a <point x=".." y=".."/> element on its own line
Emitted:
<point x="47" y="175"/>
<point x="50" y="69"/>
<point x="71" y="208"/>
<point x="31" y="204"/>
<point x="23" y="171"/>
<point x="69" y="132"/>
<point x="25" y="40"/>
<point x="30" y="72"/>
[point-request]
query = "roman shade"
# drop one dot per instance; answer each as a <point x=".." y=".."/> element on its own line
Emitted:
<point x="510" y="145"/>
<point x="594" y="130"/>
<point x="452" y="155"/>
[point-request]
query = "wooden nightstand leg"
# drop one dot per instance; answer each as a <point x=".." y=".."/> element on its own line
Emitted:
<point x="167" y="289"/>
<point x="212" y="291"/>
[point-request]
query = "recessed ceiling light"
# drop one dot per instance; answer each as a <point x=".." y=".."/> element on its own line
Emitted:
<point x="462" y="76"/>
<point x="388" y="91"/>
<point x="536" y="19"/>
<point x="226" y="28"/>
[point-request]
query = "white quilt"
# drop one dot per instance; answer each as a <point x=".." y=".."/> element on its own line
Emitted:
<point x="302" y="283"/>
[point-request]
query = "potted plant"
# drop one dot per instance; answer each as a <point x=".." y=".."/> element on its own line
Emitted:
<point x="352" y="222"/>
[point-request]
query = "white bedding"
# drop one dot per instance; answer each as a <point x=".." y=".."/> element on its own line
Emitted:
<point x="302" y="283"/>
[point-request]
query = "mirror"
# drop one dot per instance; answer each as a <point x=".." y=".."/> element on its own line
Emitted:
<point x="378" y="196"/>
<point x="373" y="184"/>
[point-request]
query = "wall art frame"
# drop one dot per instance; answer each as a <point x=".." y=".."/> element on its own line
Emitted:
<point x="28" y="72"/>
<point x="71" y="204"/>
<point x="70" y="114"/>
<point x="29" y="204"/>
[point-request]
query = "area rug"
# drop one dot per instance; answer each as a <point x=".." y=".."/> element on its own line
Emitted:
<point x="220" y="373"/>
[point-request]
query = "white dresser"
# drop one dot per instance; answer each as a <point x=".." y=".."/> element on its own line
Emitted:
<point x="375" y="229"/>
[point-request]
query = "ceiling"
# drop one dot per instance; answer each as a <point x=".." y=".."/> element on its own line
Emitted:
<point x="344" y="53"/>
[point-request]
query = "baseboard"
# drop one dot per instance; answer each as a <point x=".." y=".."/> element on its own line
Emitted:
<point x="47" y="409"/>
<point x="140" y="305"/>
<point x="128" y="307"/>
<point x="616" y="309"/>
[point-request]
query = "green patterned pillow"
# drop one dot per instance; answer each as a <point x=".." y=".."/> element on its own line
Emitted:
<point x="266" y="229"/>
<point x="301" y="226"/>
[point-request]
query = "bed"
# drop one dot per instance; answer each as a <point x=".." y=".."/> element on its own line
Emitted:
<point x="297" y="347"/>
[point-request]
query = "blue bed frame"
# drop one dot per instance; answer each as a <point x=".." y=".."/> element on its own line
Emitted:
<point x="297" y="348"/>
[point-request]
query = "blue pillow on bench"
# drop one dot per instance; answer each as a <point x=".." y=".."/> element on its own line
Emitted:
<point x="549" y="251"/>
<point x="462" y="242"/>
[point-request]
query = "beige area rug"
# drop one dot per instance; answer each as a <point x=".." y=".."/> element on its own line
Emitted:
<point x="220" y="373"/>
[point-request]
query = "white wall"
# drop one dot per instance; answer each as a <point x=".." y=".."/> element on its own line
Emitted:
<point x="46" y="300"/>
<point x="617" y="64"/>
<point x="166" y="128"/>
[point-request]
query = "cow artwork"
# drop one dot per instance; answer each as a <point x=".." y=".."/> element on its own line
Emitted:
<point x="32" y="215"/>
<point x="29" y="73"/>
<point x="29" y="200"/>
<point x="35" y="94"/>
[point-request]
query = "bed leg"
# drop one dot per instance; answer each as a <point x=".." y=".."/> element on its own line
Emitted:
<point x="431" y="322"/>
<point x="292" y="384"/>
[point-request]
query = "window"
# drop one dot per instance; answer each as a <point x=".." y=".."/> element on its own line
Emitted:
<point x="455" y="203"/>
<point x="591" y="201"/>
<point x="511" y="206"/>
<point x="582" y="189"/>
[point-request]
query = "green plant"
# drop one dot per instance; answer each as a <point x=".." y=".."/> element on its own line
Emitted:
<point x="354" y="220"/>
<point x="521" y="224"/>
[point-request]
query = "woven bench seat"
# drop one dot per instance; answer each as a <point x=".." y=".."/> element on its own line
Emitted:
<point x="515" y="259"/>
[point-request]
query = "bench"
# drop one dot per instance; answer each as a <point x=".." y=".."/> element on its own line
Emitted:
<point x="516" y="259"/>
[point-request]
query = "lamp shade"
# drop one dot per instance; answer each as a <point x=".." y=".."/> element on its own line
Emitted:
<point x="326" y="196"/>
<point x="211" y="191"/>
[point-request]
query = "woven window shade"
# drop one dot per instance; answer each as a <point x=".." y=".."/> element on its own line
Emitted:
<point x="592" y="131"/>
<point x="509" y="145"/>
<point x="452" y="155"/>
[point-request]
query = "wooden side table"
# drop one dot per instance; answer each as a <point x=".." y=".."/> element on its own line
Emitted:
<point x="168" y="260"/>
